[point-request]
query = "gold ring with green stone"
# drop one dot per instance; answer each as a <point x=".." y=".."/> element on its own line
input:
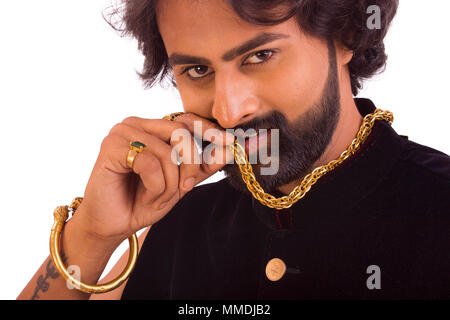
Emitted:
<point x="135" y="148"/>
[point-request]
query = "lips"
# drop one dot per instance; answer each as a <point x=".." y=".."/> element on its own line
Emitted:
<point x="258" y="141"/>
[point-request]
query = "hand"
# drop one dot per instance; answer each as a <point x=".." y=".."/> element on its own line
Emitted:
<point x="119" y="201"/>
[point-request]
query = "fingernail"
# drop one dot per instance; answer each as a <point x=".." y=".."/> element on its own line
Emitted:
<point x="162" y="205"/>
<point x="189" y="183"/>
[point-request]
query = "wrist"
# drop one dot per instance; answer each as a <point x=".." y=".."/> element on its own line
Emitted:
<point x="81" y="258"/>
<point x="84" y="249"/>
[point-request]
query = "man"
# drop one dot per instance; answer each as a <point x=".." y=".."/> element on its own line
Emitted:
<point x="375" y="226"/>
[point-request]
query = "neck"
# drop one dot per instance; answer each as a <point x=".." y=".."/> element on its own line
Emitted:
<point x="346" y="130"/>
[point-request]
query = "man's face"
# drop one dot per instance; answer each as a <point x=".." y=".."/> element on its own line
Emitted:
<point x="280" y="77"/>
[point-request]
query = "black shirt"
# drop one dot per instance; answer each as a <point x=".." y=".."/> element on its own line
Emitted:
<point x="385" y="207"/>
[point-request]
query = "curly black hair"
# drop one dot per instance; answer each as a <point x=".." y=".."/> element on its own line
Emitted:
<point x="344" y="21"/>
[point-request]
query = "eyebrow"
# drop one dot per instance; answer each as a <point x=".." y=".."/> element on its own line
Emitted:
<point x="259" y="40"/>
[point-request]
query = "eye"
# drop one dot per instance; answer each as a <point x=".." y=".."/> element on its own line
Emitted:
<point x="259" y="57"/>
<point x="196" y="72"/>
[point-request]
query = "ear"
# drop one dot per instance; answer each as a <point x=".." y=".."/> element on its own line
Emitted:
<point x="347" y="56"/>
<point x="343" y="53"/>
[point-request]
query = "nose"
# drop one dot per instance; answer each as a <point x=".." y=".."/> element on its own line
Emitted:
<point x="235" y="100"/>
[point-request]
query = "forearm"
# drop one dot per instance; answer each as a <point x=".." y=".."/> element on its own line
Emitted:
<point x="89" y="255"/>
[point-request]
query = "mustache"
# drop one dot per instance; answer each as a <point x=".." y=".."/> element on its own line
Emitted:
<point x="272" y="120"/>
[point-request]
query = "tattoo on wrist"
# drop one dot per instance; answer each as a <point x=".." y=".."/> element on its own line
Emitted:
<point x="51" y="273"/>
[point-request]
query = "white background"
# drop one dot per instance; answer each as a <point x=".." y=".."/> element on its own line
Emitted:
<point x="66" y="78"/>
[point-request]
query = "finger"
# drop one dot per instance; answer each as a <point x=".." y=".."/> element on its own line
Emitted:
<point x="214" y="156"/>
<point x="150" y="170"/>
<point x="115" y="148"/>
<point x="213" y="160"/>
<point x="160" y="128"/>
<point x="158" y="148"/>
<point x="186" y="150"/>
<point x="189" y="157"/>
<point x="205" y="129"/>
<point x="217" y="154"/>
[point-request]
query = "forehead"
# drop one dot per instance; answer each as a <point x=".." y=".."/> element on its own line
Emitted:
<point x="207" y="25"/>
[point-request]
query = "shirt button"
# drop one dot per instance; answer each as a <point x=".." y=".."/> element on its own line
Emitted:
<point x="275" y="269"/>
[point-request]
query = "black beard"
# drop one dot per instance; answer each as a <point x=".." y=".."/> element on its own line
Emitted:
<point x="301" y="143"/>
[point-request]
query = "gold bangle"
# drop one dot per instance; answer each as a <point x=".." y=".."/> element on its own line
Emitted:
<point x="61" y="214"/>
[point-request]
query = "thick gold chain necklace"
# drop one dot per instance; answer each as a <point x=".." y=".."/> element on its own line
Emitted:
<point x="308" y="181"/>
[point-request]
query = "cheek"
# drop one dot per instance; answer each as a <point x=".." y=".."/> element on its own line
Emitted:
<point x="297" y="84"/>
<point x="195" y="101"/>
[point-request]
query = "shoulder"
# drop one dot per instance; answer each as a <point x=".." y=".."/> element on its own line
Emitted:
<point x="426" y="161"/>
<point x="422" y="177"/>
